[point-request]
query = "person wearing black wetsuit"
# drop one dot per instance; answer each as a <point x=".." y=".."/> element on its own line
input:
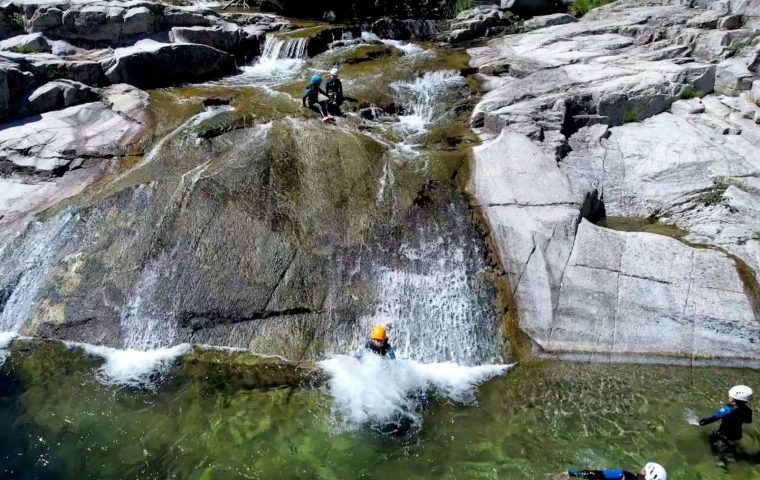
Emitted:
<point x="311" y="96"/>
<point x="651" y="471"/>
<point x="378" y="344"/>
<point x="334" y="89"/>
<point x="732" y="416"/>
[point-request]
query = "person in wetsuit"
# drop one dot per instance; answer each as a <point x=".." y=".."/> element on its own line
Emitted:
<point x="732" y="416"/>
<point x="334" y="89"/>
<point x="378" y="344"/>
<point x="651" y="471"/>
<point x="311" y="97"/>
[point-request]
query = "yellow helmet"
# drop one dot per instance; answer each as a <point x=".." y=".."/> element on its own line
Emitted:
<point x="378" y="333"/>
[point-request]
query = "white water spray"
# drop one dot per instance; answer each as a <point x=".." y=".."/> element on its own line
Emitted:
<point x="375" y="391"/>
<point x="281" y="59"/>
<point x="407" y="48"/>
<point x="133" y="368"/>
<point x="5" y="341"/>
<point x="421" y="97"/>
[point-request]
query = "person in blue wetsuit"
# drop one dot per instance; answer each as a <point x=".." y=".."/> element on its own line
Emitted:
<point x="732" y="416"/>
<point x="651" y="471"/>
<point x="311" y="96"/>
<point x="378" y="344"/>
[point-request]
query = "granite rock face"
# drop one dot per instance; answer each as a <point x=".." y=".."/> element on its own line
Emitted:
<point x="623" y="114"/>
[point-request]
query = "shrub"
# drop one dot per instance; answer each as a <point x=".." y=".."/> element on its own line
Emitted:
<point x="452" y="8"/>
<point x="691" y="92"/>
<point x="19" y="20"/>
<point x="631" y="115"/>
<point x="582" y="7"/>
<point x="715" y="195"/>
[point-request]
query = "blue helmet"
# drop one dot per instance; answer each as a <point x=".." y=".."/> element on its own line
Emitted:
<point x="316" y="80"/>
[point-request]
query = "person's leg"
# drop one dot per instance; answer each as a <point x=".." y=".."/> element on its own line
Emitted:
<point x="317" y="108"/>
<point x="722" y="448"/>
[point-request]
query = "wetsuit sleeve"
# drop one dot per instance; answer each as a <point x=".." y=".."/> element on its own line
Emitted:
<point x="616" y="474"/>
<point x="391" y="353"/>
<point x="360" y="353"/>
<point x="723" y="412"/>
<point x="305" y="95"/>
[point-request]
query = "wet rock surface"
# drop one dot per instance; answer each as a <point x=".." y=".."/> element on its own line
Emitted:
<point x="651" y="107"/>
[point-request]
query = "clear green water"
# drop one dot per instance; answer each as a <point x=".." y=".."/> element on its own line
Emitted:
<point x="57" y="421"/>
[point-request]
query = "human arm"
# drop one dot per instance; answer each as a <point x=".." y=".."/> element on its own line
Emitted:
<point x="391" y="354"/>
<point x="719" y="414"/>
<point x="615" y="474"/>
<point x="305" y="96"/>
<point x="360" y="353"/>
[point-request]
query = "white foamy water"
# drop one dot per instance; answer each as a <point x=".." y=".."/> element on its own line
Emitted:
<point x="281" y="60"/>
<point x="407" y="48"/>
<point x="421" y="97"/>
<point x="133" y="368"/>
<point x="376" y="391"/>
<point x="5" y="341"/>
<point x="31" y="267"/>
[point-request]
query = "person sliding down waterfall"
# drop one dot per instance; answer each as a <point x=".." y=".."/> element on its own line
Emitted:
<point x="311" y="96"/>
<point x="651" y="471"/>
<point x="334" y="89"/>
<point x="378" y="344"/>
<point x="732" y="415"/>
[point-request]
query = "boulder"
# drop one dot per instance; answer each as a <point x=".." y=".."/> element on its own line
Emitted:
<point x="730" y="22"/>
<point x="87" y="72"/>
<point x="477" y="22"/>
<point x="56" y="95"/>
<point x="55" y="140"/>
<point x="151" y="64"/>
<point x="707" y="20"/>
<point x="732" y="77"/>
<point x="229" y="38"/>
<point x="176" y="17"/>
<point x="396" y="29"/>
<point x="31" y="43"/>
<point x="94" y="23"/>
<point x="531" y="7"/>
<point x="14" y="83"/>
<point x="755" y="92"/>
<point x="138" y="21"/>
<point x="45" y="19"/>
<point x="649" y="295"/>
<point x="543" y="21"/>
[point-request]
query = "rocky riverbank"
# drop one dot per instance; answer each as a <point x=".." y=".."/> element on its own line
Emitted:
<point x="643" y="110"/>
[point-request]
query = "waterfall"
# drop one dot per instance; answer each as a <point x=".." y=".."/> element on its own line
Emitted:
<point x="422" y="97"/>
<point x="281" y="60"/>
<point x="277" y="48"/>
<point x="26" y="262"/>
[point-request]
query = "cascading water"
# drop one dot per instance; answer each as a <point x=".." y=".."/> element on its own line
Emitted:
<point x="281" y="58"/>
<point x="422" y="98"/>
<point x="23" y="278"/>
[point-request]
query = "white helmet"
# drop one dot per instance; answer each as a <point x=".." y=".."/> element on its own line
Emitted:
<point x="741" y="392"/>
<point x="334" y="71"/>
<point x="654" y="471"/>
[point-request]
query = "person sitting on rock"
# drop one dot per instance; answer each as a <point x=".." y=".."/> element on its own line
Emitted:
<point x="334" y="89"/>
<point x="378" y="344"/>
<point x="732" y="416"/>
<point x="651" y="471"/>
<point x="311" y="97"/>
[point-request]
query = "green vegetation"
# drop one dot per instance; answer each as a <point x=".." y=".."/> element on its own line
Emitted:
<point x="452" y="8"/>
<point x="631" y="115"/>
<point x="647" y="225"/>
<point x="715" y="195"/>
<point x="582" y="7"/>
<point x="19" y="20"/>
<point x="691" y="92"/>
<point x="756" y="236"/>
<point x="23" y="49"/>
